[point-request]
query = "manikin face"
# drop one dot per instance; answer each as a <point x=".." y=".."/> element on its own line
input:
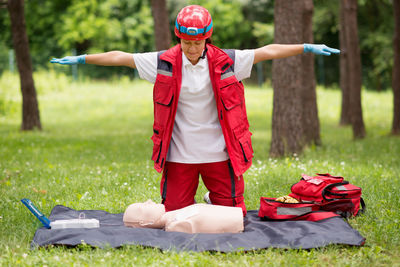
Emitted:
<point x="193" y="49"/>
<point x="147" y="214"/>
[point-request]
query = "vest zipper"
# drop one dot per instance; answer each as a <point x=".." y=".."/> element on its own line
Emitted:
<point x="244" y="154"/>
<point x="159" y="153"/>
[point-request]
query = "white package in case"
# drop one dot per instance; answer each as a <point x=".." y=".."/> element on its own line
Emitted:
<point x="75" y="223"/>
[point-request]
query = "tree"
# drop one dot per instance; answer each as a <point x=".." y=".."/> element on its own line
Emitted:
<point x="396" y="69"/>
<point x="309" y="96"/>
<point x="353" y="66"/>
<point x="161" y="24"/>
<point x="294" y="89"/>
<point x="30" y="110"/>
<point x="345" y="116"/>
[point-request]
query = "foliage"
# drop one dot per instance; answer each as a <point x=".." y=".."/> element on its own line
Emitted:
<point x="43" y="22"/>
<point x="4" y="57"/>
<point x="260" y="14"/>
<point x="326" y="31"/>
<point x="84" y="21"/>
<point x="375" y="31"/>
<point x="59" y="28"/>
<point x="94" y="154"/>
<point x="376" y="27"/>
<point x="105" y="25"/>
<point x="263" y="33"/>
<point x="229" y="24"/>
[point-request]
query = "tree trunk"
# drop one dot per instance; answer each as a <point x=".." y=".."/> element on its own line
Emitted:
<point x="161" y="24"/>
<point x="345" y="116"/>
<point x="287" y="126"/>
<point x="309" y="97"/>
<point x="396" y="69"/>
<point x="353" y="67"/>
<point x="30" y="110"/>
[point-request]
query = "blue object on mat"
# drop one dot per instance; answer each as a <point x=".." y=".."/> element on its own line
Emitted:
<point x="257" y="234"/>
<point x="43" y="219"/>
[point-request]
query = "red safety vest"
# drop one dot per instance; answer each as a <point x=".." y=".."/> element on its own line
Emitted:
<point x="229" y="96"/>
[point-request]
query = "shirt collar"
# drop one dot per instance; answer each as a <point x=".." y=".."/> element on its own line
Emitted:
<point x="202" y="62"/>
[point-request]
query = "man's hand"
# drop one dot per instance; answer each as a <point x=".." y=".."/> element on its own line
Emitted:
<point x="320" y="49"/>
<point x="70" y="60"/>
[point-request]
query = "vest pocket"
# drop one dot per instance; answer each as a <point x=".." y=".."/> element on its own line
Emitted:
<point x="243" y="136"/>
<point x="163" y="95"/>
<point x="163" y="90"/>
<point x="231" y="92"/>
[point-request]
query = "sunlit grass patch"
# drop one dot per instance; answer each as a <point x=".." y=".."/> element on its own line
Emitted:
<point x="94" y="153"/>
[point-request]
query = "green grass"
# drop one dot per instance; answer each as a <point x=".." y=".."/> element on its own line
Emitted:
<point x="94" y="151"/>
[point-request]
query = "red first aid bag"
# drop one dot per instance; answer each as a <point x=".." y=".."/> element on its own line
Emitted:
<point x="325" y="188"/>
<point x="272" y="210"/>
<point x="321" y="197"/>
<point x="310" y="188"/>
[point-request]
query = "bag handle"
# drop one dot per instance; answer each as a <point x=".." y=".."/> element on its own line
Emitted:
<point x="305" y="215"/>
<point x="321" y="176"/>
<point x="328" y="175"/>
<point x="330" y="186"/>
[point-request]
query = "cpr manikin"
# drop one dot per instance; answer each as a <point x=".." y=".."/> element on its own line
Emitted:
<point x="196" y="218"/>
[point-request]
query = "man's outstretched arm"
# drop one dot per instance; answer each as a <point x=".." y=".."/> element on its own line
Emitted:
<point x="113" y="58"/>
<point x="276" y="51"/>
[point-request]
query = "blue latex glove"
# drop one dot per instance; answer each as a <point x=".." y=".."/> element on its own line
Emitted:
<point x="70" y="60"/>
<point x="320" y="49"/>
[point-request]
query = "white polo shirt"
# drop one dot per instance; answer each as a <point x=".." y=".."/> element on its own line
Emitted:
<point x="197" y="135"/>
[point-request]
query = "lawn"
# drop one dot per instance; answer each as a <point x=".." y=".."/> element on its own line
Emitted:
<point x="94" y="153"/>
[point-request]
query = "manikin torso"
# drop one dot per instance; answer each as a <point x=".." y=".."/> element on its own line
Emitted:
<point x="197" y="218"/>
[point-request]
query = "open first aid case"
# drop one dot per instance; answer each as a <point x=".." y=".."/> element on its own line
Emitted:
<point x="80" y="222"/>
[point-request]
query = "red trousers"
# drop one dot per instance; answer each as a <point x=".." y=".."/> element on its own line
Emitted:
<point x="180" y="181"/>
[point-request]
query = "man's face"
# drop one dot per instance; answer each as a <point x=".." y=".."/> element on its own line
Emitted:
<point x="193" y="49"/>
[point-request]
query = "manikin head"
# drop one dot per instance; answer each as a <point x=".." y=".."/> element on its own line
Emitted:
<point x="144" y="215"/>
<point x="193" y="28"/>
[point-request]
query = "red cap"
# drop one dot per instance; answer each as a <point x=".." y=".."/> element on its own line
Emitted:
<point x="193" y="23"/>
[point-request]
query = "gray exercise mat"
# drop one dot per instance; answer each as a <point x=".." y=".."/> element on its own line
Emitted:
<point x="257" y="234"/>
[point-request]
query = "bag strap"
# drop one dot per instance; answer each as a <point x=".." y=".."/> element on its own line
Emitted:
<point x="363" y="206"/>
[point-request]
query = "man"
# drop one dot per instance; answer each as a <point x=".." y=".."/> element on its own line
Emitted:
<point x="200" y="122"/>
